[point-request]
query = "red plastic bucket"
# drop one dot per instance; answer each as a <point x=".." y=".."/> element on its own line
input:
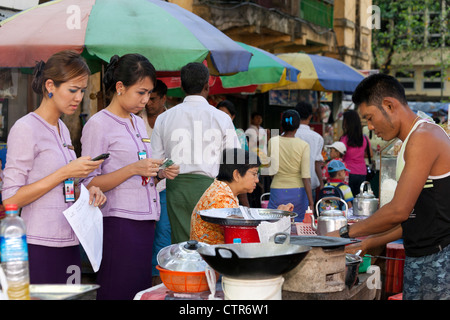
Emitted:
<point x="246" y="234"/>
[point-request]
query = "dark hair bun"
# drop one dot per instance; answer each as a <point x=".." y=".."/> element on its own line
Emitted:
<point x="128" y="69"/>
<point x="108" y="78"/>
<point x="290" y="120"/>
<point x="36" y="85"/>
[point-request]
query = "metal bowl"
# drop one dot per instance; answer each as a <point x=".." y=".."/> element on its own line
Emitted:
<point x="235" y="217"/>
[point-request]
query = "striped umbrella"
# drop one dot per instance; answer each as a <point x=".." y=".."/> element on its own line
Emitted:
<point x="321" y="73"/>
<point x="168" y="35"/>
<point x="264" y="69"/>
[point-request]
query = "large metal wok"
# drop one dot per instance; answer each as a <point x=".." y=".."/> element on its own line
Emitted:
<point x="253" y="260"/>
<point x="243" y="216"/>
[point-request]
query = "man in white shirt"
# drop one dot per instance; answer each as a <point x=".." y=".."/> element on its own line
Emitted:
<point x="193" y="135"/>
<point x="315" y="142"/>
<point x="155" y="106"/>
<point x="257" y="143"/>
<point x="257" y="135"/>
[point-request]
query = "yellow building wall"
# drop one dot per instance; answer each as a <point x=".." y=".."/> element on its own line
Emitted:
<point x="186" y="4"/>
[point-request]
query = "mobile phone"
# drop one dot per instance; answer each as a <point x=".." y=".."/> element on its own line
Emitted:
<point x="167" y="163"/>
<point x="100" y="157"/>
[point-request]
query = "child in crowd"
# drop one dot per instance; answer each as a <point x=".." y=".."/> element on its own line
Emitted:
<point x="337" y="152"/>
<point x="337" y="171"/>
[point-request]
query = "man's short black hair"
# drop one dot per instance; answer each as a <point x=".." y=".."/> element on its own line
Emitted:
<point x="160" y="88"/>
<point x="304" y="109"/>
<point x="236" y="159"/>
<point x="373" y="89"/>
<point x="194" y="77"/>
<point x="255" y="114"/>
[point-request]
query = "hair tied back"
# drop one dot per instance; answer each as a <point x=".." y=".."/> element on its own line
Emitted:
<point x="108" y="78"/>
<point x="37" y="76"/>
<point x="289" y="120"/>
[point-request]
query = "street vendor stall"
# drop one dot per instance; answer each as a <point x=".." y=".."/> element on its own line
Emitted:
<point x="278" y="266"/>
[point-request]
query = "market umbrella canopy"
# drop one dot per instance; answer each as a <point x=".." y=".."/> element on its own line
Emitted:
<point x="321" y="73"/>
<point x="168" y="35"/>
<point x="264" y="69"/>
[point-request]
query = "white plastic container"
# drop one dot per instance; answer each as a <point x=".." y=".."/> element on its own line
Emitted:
<point x="238" y="289"/>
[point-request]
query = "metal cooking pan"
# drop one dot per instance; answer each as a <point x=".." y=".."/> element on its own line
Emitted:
<point x="234" y="217"/>
<point x="253" y="260"/>
<point x="322" y="241"/>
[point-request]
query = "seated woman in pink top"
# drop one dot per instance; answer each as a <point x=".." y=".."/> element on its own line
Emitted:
<point x="356" y="144"/>
<point x="41" y="163"/>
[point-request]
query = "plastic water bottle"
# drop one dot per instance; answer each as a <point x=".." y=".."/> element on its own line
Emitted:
<point x="14" y="254"/>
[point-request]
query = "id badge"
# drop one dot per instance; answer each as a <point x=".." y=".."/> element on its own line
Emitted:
<point x="69" y="190"/>
<point x="142" y="155"/>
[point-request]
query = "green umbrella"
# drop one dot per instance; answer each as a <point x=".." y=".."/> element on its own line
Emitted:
<point x="168" y="35"/>
<point x="265" y="71"/>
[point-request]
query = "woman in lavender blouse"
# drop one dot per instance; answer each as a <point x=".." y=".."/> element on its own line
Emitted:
<point x="128" y="178"/>
<point x="40" y="160"/>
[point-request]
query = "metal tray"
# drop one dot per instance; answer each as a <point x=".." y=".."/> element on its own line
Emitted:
<point x="234" y="217"/>
<point x="60" y="291"/>
<point x="321" y="241"/>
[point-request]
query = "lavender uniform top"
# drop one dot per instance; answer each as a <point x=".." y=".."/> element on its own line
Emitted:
<point x="105" y="132"/>
<point x="35" y="149"/>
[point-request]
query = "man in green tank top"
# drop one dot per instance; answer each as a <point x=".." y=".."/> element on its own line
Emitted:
<point x="419" y="212"/>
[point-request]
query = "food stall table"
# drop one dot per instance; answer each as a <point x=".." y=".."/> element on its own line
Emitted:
<point x="160" y="292"/>
<point x="363" y="290"/>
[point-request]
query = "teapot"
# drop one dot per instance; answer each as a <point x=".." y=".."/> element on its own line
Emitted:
<point x="329" y="220"/>
<point x="365" y="203"/>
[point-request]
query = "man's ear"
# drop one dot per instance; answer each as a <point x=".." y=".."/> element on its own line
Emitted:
<point x="390" y="104"/>
<point x="206" y="87"/>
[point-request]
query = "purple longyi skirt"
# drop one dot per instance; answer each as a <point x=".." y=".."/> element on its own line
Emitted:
<point x="53" y="265"/>
<point x="126" y="266"/>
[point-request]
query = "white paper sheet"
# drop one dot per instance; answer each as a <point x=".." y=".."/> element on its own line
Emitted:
<point x="87" y="223"/>
<point x="251" y="213"/>
<point x="267" y="230"/>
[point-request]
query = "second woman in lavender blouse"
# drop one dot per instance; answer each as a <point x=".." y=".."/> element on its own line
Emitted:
<point x="128" y="178"/>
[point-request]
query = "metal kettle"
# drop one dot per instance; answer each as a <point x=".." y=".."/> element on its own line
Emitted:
<point x="329" y="220"/>
<point x="365" y="203"/>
